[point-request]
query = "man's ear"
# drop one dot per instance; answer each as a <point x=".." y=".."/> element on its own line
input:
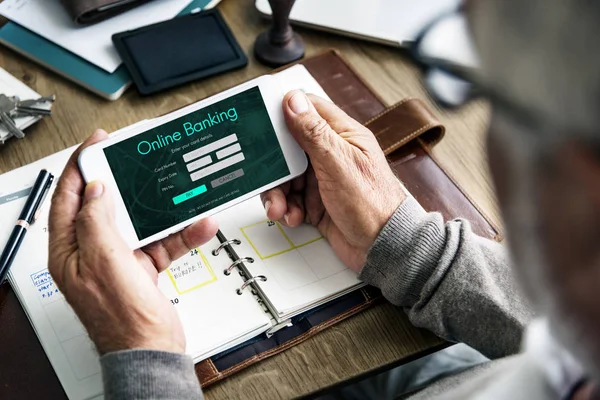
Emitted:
<point x="568" y="203"/>
<point x="584" y="164"/>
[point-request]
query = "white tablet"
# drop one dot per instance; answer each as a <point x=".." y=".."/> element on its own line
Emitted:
<point x="196" y="161"/>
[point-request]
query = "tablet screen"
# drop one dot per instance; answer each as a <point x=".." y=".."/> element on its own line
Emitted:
<point x="197" y="162"/>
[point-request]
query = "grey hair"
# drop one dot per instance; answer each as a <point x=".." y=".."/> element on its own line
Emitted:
<point x="543" y="54"/>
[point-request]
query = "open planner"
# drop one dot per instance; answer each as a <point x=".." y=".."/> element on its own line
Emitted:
<point x="235" y="312"/>
<point x="249" y="280"/>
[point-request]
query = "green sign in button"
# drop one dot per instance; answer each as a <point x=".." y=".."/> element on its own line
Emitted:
<point x="189" y="194"/>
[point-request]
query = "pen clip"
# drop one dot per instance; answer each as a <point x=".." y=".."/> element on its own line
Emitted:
<point x="41" y="205"/>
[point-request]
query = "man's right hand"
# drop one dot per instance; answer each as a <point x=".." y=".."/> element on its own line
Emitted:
<point x="349" y="191"/>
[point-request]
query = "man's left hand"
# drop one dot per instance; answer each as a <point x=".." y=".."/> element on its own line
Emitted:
<point x="111" y="288"/>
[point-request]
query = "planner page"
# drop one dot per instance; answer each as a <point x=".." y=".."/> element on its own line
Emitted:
<point x="301" y="268"/>
<point x="213" y="315"/>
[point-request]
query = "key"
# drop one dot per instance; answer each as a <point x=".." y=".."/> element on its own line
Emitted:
<point x="33" y="111"/>
<point x="28" y="107"/>
<point x="7" y="104"/>
<point x="9" y="123"/>
<point x="12" y="106"/>
<point x="33" y="102"/>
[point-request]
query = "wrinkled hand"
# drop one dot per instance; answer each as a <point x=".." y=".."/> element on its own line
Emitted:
<point x="111" y="288"/>
<point x="349" y="191"/>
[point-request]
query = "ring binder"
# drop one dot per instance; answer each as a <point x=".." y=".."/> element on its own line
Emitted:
<point x="216" y="251"/>
<point x="237" y="262"/>
<point x="245" y="274"/>
<point x="261" y="278"/>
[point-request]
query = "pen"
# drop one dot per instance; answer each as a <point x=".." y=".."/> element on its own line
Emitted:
<point x="27" y="217"/>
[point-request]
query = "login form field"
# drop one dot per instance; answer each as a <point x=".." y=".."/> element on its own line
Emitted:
<point x="197" y="162"/>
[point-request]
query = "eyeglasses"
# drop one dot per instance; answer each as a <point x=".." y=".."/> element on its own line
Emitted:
<point x="445" y="51"/>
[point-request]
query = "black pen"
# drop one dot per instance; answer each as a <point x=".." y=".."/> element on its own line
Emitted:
<point x="28" y="216"/>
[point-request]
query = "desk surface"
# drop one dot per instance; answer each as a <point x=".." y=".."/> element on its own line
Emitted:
<point x="374" y="338"/>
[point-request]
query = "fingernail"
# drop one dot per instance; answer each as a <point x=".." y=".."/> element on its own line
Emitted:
<point x="93" y="189"/>
<point x="286" y="218"/>
<point x="100" y="132"/>
<point x="268" y="204"/>
<point x="298" y="103"/>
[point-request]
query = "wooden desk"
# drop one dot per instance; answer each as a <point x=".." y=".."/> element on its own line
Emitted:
<point x="374" y="338"/>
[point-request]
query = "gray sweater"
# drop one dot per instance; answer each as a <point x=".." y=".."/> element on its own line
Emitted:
<point x="446" y="278"/>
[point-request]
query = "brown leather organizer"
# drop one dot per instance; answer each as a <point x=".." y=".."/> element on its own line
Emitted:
<point x="406" y="133"/>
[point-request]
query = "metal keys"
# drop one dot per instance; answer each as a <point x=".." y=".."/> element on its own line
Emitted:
<point x="28" y="107"/>
<point x="12" y="107"/>
<point x="7" y="107"/>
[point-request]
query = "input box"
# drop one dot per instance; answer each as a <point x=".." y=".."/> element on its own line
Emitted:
<point x="209" y="148"/>
<point x="227" y="151"/>
<point x="218" y="166"/>
<point x="201" y="162"/>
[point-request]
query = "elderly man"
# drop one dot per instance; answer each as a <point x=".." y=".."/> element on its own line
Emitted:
<point x="539" y="62"/>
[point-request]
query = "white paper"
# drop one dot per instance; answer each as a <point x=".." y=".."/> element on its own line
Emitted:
<point x="48" y="18"/>
<point x="387" y="21"/>
<point x="301" y="268"/>
<point x="213" y="315"/>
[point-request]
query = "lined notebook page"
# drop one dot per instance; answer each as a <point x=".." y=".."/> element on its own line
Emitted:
<point x="300" y="265"/>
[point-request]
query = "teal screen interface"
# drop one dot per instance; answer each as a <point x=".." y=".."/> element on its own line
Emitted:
<point x="197" y="162"/>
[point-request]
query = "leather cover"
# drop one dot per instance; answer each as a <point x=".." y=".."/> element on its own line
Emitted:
<point x="405" y="131"/>
<point x="86" y="12"/>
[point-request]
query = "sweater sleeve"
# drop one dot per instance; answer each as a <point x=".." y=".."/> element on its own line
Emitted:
<point x="149" y="374"/>
<point x="449" y="280"/>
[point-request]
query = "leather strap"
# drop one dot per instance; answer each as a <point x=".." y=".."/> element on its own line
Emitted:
<point x="403" y="122"/>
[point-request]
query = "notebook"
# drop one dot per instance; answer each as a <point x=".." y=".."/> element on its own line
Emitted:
<point x="298" y="268"/>
<point x="61" y="61"/>
<point x="390" y="22"/>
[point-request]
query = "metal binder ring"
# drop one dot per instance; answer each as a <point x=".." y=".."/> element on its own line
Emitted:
<point x="261" y="278"/>
<point x="216" y="251"/>
<point x="236" y="263"/>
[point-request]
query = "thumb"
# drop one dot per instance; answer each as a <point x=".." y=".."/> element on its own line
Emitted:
<point x="312" y="132"/>
<point x="95" y="220"/>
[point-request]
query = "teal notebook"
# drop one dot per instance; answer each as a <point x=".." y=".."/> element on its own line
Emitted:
<point x="69" y="65"/>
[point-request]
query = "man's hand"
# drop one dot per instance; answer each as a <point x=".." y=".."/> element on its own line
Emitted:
<point x="111" y="288"/>
<point x="349" y="192"/>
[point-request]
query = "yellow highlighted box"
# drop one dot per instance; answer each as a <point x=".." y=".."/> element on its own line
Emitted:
<point x="213" y="277"/>
<point x="281" y="230"/>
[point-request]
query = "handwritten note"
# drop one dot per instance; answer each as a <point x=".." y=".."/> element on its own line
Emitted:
<point x="191" y="272"/>
<point x="46" y="288"/>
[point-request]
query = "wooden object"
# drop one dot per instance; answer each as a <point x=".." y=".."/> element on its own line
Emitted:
<point x="279" y="45"/>
<point x="375" y="338"/>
